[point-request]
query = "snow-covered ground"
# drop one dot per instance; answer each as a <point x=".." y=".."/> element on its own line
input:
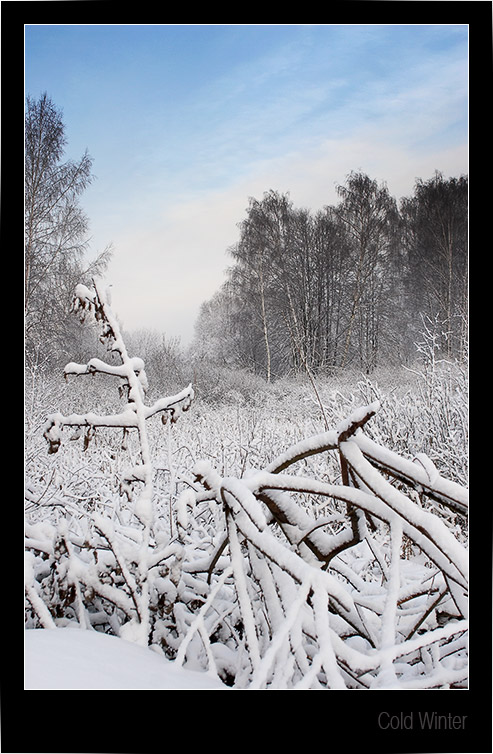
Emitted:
<point x="73" y="658"/>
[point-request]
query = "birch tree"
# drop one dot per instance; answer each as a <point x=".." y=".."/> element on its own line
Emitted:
<point x="56" y="227"/>
<point x="264" y="241"/>
<point x="369" y="215"/>
<point x="436" y="223"/>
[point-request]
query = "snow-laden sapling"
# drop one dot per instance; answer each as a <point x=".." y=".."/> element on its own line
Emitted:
<point x="131" y="563"/>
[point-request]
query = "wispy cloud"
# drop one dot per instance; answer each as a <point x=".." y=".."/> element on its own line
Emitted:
<point x="179" y="260"/>
<point x="186" y="122"/>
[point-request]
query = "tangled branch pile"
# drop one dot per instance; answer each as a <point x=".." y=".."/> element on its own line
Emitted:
<point x="275" y="580"/>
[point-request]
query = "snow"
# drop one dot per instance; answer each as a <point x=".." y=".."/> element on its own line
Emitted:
<point x="422" y="521"/>
<point x="306" y="447"/>
<point x="72" y="658"/>
<point x="325" y="577"/>
<point x="357" y="417"/>
<point x="419" y="470"/>
<point x="83" y="293"/>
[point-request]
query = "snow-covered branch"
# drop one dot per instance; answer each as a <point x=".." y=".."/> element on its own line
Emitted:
<point x="315" y="553"/>
<point x="131" y="370"/>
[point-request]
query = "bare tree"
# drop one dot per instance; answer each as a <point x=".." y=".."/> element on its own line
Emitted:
<point x="369" y="215"/>
<point x="435" y="221"/>
<point x="263" y="244"/>
<point x="55" y="225"/>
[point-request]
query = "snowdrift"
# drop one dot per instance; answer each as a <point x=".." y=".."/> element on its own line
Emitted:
<point x="71" y="658"/>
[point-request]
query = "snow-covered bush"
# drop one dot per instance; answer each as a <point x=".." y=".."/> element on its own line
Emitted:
<point x="328" y="600"/>
<point x="244" y="541"/>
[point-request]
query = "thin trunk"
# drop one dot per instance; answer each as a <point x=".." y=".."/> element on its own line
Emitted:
<point x="264" y="323"/>
<point x="354" y="308"/>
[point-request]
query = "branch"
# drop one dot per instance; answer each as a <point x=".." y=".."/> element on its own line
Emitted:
<point x="131" y="370"/>
<point x="443" y="491"/>
<point x="355" y="421"/>
<point x="127" y="419"/>
<point x="423" y="528"/>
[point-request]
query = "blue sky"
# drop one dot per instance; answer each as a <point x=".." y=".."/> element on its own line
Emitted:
<point x="186" y="122"/>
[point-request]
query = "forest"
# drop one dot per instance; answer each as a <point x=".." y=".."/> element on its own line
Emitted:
<point x="282" y="503"/>
<point x="346" y="286"/>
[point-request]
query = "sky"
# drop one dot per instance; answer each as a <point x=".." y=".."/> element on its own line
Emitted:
<point x="185" y="122"/>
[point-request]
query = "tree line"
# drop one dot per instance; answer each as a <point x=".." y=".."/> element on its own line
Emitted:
<point x="347" y="285"/>
<point x="344" y="286"/>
